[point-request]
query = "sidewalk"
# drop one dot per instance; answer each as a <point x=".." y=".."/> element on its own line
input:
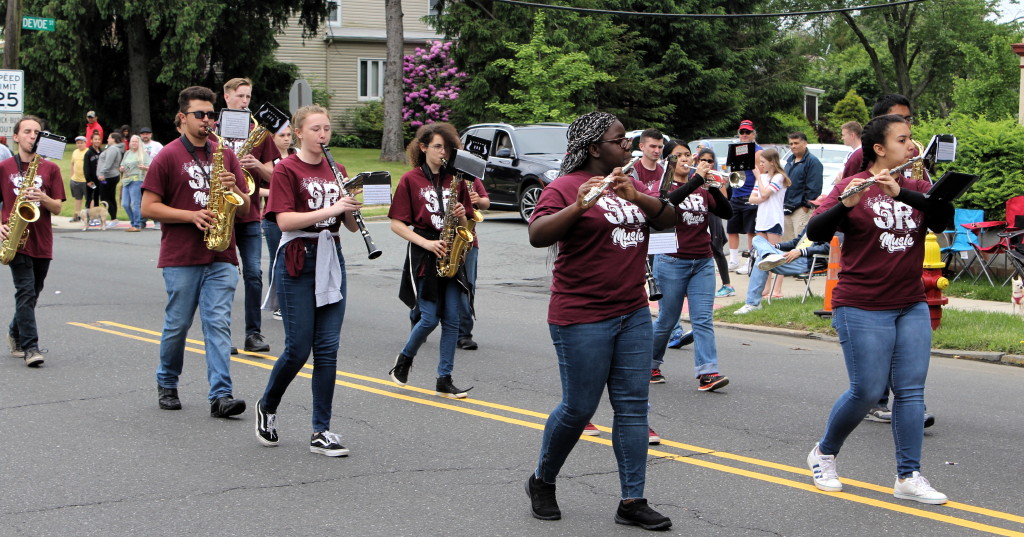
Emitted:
<point x="65" y="223"/>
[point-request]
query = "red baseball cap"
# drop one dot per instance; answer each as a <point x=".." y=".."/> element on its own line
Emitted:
<point x="746" y="124"/>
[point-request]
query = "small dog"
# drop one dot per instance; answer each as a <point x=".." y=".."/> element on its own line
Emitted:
<point x="94" y="214"/>
<point x="1017" y="299"/>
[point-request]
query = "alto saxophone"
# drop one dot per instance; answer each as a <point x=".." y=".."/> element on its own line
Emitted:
<point x="256" y="137"/>
<point x="457" y="239"/>
<point x="23" y="213"/>
<point x="478" y="216"/>
<point x="222" y="203"/>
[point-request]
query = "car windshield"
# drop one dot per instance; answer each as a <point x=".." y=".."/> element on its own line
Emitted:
<point x="834" y="156"/>
<point x="541" y="141"/>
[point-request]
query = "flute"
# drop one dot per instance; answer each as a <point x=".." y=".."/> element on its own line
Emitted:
<point x="597" y="190"/>
<point x="893" y="172"/>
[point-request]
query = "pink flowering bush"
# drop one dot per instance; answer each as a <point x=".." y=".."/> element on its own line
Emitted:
<point x="431" y="82"/>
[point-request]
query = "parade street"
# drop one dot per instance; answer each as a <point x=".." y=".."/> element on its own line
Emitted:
<point x="87" y="451"/>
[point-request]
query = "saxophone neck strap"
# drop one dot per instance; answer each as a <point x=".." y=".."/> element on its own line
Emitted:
<point x="22" y="171"/>
<point x="437" y="183"/>
<point x="192" y="151"/>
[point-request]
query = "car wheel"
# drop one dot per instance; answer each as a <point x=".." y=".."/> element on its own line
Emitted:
<point x="528" y="200"/>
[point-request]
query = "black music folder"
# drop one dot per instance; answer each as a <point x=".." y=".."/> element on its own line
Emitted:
<point x="741" y="157"/>
<point x="951" y="185"/>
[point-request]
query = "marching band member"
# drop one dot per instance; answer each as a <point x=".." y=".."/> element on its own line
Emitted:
<point x="176" y="193"/>
<point x="879" y="308"/>
<point x="309" y="277"/>
<point x="31" y="263"/>
<point x="417" y="215"/>
<point x="690" y="272"/>
<point x="598" y="316"/>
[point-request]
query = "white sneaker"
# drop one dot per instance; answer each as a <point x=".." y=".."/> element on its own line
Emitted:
<point x="733" y="266"/>
<point x="747" y="308"/>
<point x="917" y="488"/>
<point x="771" y="261"/>
<point x="824" y="469"/>
<point x="744" y="269"/>
<point x="112" y="224"/>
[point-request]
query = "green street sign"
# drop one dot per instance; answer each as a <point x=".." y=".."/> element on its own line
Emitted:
<point x="37" y="23"/>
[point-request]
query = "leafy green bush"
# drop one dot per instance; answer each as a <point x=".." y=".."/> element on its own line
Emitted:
<point x="990" y="149"/>
<point x="347" y="140"/>
<point x="787" y="123"/>
<point x="368" y="122"/>
<point x="849" y="108"/>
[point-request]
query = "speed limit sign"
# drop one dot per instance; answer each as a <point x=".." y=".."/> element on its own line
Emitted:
<point x="12" y="91"/>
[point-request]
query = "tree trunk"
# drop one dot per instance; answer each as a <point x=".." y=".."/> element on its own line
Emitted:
<point x="138" y="76"/>
<point x="392" y="146"/>
<point x="12" y="34"/>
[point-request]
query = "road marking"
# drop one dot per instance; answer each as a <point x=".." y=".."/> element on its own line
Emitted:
<point x="446" y="404"/>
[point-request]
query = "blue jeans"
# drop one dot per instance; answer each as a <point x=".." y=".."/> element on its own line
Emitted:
<point x="445" y="311"/>
<point x="247" y="237"/>
<point x="466" y="316"/>
<point x="272" y="234"/>
<point x="883" y="347"/>
<point x="28" y="274"/>
<point x="694" y="280"/>
<point x="759" y="278"/>
<point x="131" y="200"/>
<point x="614" y="353"/>
<point x="211" y="288"/>
<point x="307" y="328"/>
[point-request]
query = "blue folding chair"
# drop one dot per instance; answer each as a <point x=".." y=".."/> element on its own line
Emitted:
<point x="962" y="240"/>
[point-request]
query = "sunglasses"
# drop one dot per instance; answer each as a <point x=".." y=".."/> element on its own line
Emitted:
<point x="708" y="160"/>
<point x="745" y="131"/>
<point x="199" y="114"/>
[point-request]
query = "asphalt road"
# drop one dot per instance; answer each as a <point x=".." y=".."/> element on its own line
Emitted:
<point x="86" y="450"/>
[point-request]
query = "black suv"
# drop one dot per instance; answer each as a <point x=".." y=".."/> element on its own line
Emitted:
<point x="522" y="159"/>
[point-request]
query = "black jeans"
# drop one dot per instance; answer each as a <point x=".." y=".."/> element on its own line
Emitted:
<point x="92" y="196"/>
<point x="29" y="274"/>
<point x="108" y="193"/>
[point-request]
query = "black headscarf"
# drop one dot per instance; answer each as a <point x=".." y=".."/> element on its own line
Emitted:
<point x="586" y="130"/>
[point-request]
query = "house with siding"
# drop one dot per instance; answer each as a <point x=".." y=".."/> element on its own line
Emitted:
<point x="347" y="58"/>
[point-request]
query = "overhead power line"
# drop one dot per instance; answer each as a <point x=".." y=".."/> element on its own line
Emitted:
<point x="704" y="15"/>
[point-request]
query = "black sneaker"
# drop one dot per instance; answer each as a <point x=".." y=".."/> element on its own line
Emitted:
<point x="445" y="388"/>
<point x="255" y="343"/>
<point x="168" y="398"/>
<point x="33" y="358"/>
<point x="638" y="513"/>
<point x="543" y="505"/>
<point x="266" y="426"/>
<point x="712" y="382"/>
<point x="227" y="406"/>
<point x="327" y="443"/>
<point x="277" y="314"/>
<point x="16" y="350"/>
<point x="467" y="343"/>
<point x="687" y="339"/>
<point x="400" y="373"/>
<point x="929" y="420"/>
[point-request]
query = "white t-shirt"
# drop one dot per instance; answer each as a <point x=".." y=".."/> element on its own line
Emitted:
<point x="153" y="147"/>
<point x="770" y="212"/>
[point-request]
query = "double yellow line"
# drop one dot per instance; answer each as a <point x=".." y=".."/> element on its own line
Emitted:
<point x="512" y="415"/>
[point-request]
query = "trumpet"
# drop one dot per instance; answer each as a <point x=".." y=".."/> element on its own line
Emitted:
<point x="597" y="190"/>
<point x="893" y="172"/>
<point x="721" y="179"/>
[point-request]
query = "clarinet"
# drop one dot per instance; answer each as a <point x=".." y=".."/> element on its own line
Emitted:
<point x="653" y="292"/>
<point x="371" y="248"/>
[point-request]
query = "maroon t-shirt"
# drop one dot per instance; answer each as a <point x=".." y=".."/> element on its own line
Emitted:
<point x="478" y="187"/>
<point x="599" y="271"/>
<point x="300" y="187"/>
<point x="883" y="249"/>
<point x="265" y="152"/>
<point x="47" y="179"/>
<point x="415" y="201"/>
<point x="651" y="179"/>
<point x="176" y="177"/>
<point x="692" y="224"/>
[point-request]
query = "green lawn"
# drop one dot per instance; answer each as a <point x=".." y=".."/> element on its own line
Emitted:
<point x="959" y="330"/>
<point x="354" y="160"/>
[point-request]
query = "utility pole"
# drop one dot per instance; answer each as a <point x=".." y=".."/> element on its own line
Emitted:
<point x="12" y="34"/>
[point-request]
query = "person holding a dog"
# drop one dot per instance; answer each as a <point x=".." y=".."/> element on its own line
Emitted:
<point x="31" y="262"/>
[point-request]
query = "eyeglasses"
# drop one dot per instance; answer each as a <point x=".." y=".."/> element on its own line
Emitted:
<point x="909" y="119"/>
<point x="436" y="147"/>
<point x="708" y="160"/>
<point x="199" y="114"/>
<point x="625" y="141"/>
<point x="746" y="131"/>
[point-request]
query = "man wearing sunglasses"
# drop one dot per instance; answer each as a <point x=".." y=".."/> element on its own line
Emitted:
<point x="176" y="192"/>
<point x="744" y="214"/>
<point x="260" y="164"/>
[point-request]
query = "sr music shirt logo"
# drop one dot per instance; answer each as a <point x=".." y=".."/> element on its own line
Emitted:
<point x="197" y="182"/>
<point x="628" y="219"/>
<point x="320" y="194"/>
<point x="898" y="222"/>
<point x="694" y="209"/>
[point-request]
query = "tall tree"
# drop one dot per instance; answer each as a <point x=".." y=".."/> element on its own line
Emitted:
<point x="392" y="146"/>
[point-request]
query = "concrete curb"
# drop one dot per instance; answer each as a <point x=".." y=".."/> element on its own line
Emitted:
<point x="979" y="356"/>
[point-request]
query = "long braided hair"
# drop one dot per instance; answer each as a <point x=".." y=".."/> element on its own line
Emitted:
<point x="586" y="130"/>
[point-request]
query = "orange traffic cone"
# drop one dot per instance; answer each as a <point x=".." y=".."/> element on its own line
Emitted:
<point x="832" y="277"/>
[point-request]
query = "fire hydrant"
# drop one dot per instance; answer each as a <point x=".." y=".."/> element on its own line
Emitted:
<point x="934" y="281"/>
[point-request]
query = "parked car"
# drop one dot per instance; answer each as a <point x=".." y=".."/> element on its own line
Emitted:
<point x="832" y="157"/>
<point x="522" y="160"/>
<point x="719" y="145"/>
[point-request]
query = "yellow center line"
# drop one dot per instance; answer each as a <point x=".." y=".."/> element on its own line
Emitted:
<point x="654" y="452"/>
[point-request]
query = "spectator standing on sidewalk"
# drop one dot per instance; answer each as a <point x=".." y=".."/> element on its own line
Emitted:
<point x="805" y="172"/>
<point x="78" y="185"/>
<point x="133" y="167"/>
<point x="744" y="214"/>
<point x="108" y="171"/>
<point x="152" y="146"/>
<point x="92" y="125"/>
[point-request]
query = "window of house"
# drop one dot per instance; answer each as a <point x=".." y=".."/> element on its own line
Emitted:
<point x="371" y="79"/>
<point x="432" y="10"/>
<point x="334" y="12"/>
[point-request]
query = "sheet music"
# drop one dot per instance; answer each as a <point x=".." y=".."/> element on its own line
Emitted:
<point x="51" y="148"/>
<point x="946" y="151"/>
<point x="376" y="194"/>
<point x="663" y="242"/>
<point x="233" y="124"/>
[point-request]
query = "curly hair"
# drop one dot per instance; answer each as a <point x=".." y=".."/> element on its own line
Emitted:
<point x="425" y="134"/>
